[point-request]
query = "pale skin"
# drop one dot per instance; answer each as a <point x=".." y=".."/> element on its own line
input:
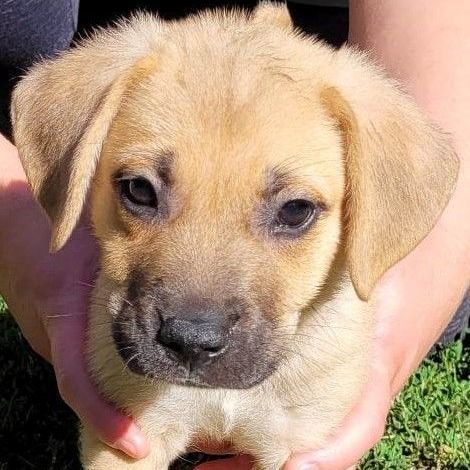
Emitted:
<point x="421" y="43"/>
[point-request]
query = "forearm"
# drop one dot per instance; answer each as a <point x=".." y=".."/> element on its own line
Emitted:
<point x="24" y="228"/>
<point x="427" y="51"/>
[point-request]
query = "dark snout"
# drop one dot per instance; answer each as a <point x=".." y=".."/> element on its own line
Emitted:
<point x="196" y="337"/>
<point x="194" y="340"/>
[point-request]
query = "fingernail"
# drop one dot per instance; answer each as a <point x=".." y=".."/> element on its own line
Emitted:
<point x="309" y="466"/>
<point x="133" y="445"/>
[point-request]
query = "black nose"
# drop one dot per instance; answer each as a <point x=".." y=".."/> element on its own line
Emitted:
<point x="196" y="338"/>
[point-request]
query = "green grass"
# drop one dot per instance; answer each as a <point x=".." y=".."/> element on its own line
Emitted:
<point x="429" y="427"/>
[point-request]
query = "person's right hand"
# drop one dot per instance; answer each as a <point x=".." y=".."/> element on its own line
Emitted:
<point x="48" y="295"/>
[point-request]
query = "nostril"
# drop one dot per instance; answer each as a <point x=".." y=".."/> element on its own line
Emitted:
<point x="214" y="350"/>
<point x="170" y="339"/>
<point x="173" y="346"/>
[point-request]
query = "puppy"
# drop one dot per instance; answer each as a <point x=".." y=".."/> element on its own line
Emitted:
<point x="248" y="188"/>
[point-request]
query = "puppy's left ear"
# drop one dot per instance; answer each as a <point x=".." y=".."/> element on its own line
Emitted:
<point x="400" y="168"/>
<point x="63" y="108"/>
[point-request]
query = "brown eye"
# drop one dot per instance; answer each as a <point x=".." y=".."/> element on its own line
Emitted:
<point x="139" y="192"/>
<point x="295" y="213"/>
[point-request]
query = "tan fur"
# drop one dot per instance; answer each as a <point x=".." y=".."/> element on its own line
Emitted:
<point x="230" y="96"/>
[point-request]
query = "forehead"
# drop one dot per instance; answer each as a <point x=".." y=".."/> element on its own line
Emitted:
<point x="222" y="119"/>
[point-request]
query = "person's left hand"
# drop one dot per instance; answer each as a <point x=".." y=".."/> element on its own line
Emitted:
<point x="48" y="295"/>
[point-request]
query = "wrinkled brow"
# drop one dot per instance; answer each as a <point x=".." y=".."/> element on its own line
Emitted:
<point x="156" y="163"/>
<point x="285" y="178"/>
<point x="164" y="167"/>
<point x="277" y="179"/>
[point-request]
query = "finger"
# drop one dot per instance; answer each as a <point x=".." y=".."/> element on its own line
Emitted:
<point x="240" y="462"/>
<point x="362" y="429"/>
<point x="67" y="337"/>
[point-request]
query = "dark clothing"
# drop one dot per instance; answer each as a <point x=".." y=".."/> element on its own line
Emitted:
<point x="30" y="29"/>
<point x="34" y="28"/>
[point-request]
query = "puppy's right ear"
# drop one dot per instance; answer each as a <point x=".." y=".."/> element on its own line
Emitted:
<point x="400" y="168"/>
<point x="62" y="110"/>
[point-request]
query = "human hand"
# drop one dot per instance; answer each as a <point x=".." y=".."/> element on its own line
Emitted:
<point x="48" y="296"/>
<point x="415" y="301"/>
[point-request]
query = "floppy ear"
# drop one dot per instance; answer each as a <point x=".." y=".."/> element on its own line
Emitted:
<point x="62" y="110"/>
<point x="400" y="168"/>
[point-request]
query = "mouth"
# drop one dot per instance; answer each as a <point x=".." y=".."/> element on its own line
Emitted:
<point x="247" y="358"/>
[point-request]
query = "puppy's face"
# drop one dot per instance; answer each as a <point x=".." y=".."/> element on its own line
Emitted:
<point x="227" y="157"/>
<point x="218" y="220"/>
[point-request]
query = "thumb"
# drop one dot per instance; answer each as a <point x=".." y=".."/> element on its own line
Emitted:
<point x="67" y="337"/>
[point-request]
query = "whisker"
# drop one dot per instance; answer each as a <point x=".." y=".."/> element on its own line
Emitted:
<point x="126" y="364"/>
<point x="86" y="284"/>
<point x="60" y="315"/>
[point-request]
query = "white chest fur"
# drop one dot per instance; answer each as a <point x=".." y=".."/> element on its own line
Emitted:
<point x="293" y="410"/>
